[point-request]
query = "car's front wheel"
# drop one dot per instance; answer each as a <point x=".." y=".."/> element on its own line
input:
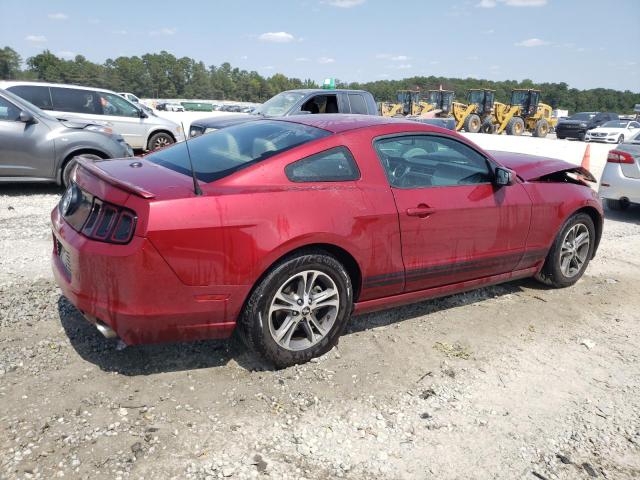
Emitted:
<point x="298" y="310"/>
<point x="570" y="253"/>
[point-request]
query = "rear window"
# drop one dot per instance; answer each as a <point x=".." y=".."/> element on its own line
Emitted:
<point x="218" y="154"/>
<point x="36" y="94"/>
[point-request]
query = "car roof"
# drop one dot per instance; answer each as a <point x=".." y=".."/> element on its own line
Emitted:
<point x="7" y="83"/>
<point x="340" y="122"/>
<point x="325" y="90"/>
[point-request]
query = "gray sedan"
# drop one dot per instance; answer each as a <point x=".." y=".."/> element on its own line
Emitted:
<point x="36" y="147"/>
<point x="620" y="182"/>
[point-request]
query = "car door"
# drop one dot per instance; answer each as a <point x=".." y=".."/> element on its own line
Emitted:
<point x="455" y="224"/>
<point x="24" y="148"/>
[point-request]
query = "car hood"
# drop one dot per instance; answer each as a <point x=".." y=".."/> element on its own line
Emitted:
<point x="573" y="122"/>
<point x="532" y="167"/>
<point x="224" y="121"/>
<point x="607" y="130"/>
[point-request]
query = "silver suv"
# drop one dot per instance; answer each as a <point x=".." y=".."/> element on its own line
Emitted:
<point x="141" y="130"/>
<point x="35" y="147"/>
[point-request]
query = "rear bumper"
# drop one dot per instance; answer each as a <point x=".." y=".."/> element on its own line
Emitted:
<point x="131" y="289"/>
<point x="614" y="185"/>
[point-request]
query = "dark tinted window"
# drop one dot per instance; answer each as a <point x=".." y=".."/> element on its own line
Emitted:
<point x="418" y="161"/>
<point x="335" y="165"/>
<point x="321" y="104"/>
<point x="8" y="111"/>
<point x="358" y="104"/>
<point x="75" y="100"/>
<point x="220" y="153"/>
<point x="38" y="95"/>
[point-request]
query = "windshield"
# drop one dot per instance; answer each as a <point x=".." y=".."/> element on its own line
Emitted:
<point x="476" y="97"/>
<point x="585" y="116"/>
<point x="222" y="152"/>
<point x="519" y="97"/>
<point x="280" y="104"/>
<point x="615" y="124"/>
<point x="28" y="105"/>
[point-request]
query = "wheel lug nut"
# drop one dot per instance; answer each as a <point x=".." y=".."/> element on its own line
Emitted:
<point x="300" y="302"/>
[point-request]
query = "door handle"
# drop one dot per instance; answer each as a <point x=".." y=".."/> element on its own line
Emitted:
<point x="421" y="211"/>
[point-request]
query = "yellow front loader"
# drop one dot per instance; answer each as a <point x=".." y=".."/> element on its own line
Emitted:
<point x="524" y="113"/>
<point x="475" y="115"/>
<point x="407" y="104"/>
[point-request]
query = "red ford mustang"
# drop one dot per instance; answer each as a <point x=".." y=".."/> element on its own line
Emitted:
<point x="283" y="228"/>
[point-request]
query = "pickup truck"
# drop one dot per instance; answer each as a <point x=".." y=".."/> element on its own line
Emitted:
<point x="305" y="101"/>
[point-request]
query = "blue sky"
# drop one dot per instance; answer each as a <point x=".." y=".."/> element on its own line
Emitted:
<point x="585" y="43"/>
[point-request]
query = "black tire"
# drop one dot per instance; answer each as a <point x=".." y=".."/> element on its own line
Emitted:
<point x="254" y="324"/>
<point x="621" y="139"/>
<point x="160" y="140"/>
<point x="560" y="137"/>
<point x="488" y="127"/>
<point x="70" y="164"/>
<point x="617" y="205"/>
<point x="541" y="129"/>
<point x="581" y="137"/>
<point x="472" y="123"/>
<point x="515" y="126"/>
<point x="551" y="273"/>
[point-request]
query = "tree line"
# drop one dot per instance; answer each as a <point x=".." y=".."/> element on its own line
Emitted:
<point x="163" y="75"/>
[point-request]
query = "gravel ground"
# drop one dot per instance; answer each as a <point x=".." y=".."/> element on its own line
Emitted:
<point x="509" y="382"/>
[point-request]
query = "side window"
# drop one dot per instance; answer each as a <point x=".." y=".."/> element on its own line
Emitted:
<point x="116" y="105"/>
<point x="321" y="104"/>
<point x="358" y="105"/>
<point x="36" y="94"/>
<point x="75" y="100"/>
<point x="420" y="161"/>
<point x="8" y="111"/>
<point x="334" y="165"/>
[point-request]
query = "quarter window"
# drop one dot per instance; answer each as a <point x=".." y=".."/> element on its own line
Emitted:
<point x="8" y="111"/>
<point x="421" y="161"/>
<point x="358" y="105"/>
<point x="335" y="165"/>
<point x="35" y="94"/>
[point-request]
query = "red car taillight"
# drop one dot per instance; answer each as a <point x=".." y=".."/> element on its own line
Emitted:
<point x="109" y="223"/>
<point x="616" y="156"/>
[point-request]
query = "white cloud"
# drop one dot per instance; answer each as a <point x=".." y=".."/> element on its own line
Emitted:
<point x="491" y="31"/>
<point x="36" y="38"/>
<point x="66" y="54"/>
<point x="531" y="42"/>
<point x="395" y="58"/>
<point x="164" y="31"/>
<point x="325" y="60"/>
<point x="302" y="59"/>
<point x="401" y="66"/>
<point x="58" y="16"/>
<point x="400" y="58"/>
<point x="345" y="3"/>
<point x="276" y="37"/>
<point x="511" y="3"/>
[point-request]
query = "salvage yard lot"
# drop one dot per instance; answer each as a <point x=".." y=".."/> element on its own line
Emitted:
<point x="497" y="383"/>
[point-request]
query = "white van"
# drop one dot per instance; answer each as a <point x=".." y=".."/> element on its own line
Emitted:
<point x="140" y="130"/>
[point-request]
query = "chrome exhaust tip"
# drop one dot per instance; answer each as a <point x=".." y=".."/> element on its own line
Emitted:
<point x="106" y="330"/>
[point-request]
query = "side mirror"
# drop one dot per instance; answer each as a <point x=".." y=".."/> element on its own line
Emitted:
<point x="504" y="177"/>
<point x="143" y="114"/>
<point x="27" y="117"/>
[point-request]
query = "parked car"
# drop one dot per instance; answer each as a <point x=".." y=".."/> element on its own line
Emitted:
<point x="35" y="147"/>
<point x="286" y="226"/>
<point x="131" y="97"/>
<point x="614" y="131"/>
<point x="170" y="107"/>
<point x="576" y="125"/>
<point x="620" y="182"/>
<point x="99" y="106"/>
<point x="306" y="101"/>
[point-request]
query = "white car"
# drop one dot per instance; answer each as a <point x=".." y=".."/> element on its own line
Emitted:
<point x="620" y="182"/>
<point x="613" y="131"/>
<point x="170" y="107"/>
<point x="99" y="106"/>
<point x="129" y="96"/>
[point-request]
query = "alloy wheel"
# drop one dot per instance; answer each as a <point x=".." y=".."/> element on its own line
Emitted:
<point x="161" y="142"/>
<point x="303" y="310"/>
<point x="574" y="250"/>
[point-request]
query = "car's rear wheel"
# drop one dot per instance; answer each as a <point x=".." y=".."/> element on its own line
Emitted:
<point x="68" y="167"/>
<point x="160" y="140"/>
<point x="541" y="129"/>
<point x="298" y="310"/>
<point x="472" y="123"/>
<point x="621" y="204"/>
<point x="570" y="252"/>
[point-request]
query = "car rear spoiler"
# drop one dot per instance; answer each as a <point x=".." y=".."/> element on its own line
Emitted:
<point x="92" y="167"/>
